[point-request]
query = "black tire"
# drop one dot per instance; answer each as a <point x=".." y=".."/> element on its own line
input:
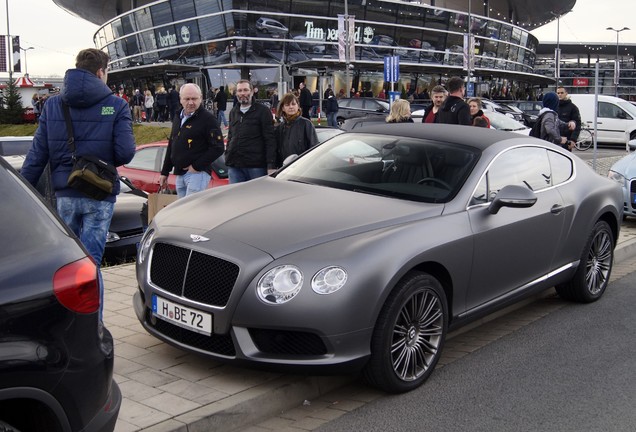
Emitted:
<point x="592" y="276"/>
<point x="409" y="334"/>
<point x="340" y="121"/>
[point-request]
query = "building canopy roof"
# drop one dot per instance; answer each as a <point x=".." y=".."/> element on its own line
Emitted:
<point x="528" y="14"/>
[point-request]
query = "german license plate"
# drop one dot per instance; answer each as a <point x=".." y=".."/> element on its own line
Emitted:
<point x="191" y="319"/>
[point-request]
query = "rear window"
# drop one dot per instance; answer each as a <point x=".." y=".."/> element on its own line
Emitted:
<point x="25" y="222"/>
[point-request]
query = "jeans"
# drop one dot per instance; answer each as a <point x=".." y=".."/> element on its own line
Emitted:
<point x="240" y="175"/>
<point x="221" y="118"/>
<point x="332" y="119"/>
<point x="89" y="219"/>
<point x="189" y="183"/>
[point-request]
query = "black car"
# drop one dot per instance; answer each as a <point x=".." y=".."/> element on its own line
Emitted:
<point x="361" y="107"/>
<point x="530" y="110"/>
<point x="56" y="358"/>
<point x="127" y="224"/>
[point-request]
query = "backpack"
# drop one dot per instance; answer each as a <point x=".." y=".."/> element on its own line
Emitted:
<point x="536" y="128"/>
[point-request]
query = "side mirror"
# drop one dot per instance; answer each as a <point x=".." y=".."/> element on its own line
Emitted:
<point x="289" y="159"/>
<point x="512" y="196"/>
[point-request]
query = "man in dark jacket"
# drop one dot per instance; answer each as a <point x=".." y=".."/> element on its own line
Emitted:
<point x="251" y="146"/>
<point x="569" y="112"/>
<point x="455" y="110"/>
<point x="221" y="105"/>
<point x="102" y="127"/>
<point x="195" y="142"/>
<point x="305" y="100"/>
<point x="173" y="102"/>
<point x="430" y="113"/>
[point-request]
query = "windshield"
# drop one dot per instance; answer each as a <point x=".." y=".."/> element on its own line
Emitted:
<point x="627" y="106"/>
<point x="387" y="165"/>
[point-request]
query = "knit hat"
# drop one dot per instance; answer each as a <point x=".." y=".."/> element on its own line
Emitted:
<point x="551" y="100"/>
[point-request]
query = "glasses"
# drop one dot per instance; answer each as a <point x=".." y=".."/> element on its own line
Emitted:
<point x="560" y="92"/>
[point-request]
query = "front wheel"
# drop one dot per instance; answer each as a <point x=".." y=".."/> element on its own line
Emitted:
<point x="585" y="140"/>
<point x="592" y="276"/>
<point x="409" y="334"/>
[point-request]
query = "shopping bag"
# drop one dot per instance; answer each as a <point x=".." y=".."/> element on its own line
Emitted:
<point x="157" y="201"/>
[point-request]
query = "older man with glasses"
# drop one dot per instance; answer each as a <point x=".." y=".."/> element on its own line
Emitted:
<point x="569" y="112"/>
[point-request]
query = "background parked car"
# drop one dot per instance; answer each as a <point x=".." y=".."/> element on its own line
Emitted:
<point x="397" y="233"/>
<point x="530" y="109"/>
<point x="360" y="107"/>
<point x="56" y="370"/>
<point x="144" y="169"/>
<point x="127" y="224"/>
<point x="624" y="173"/>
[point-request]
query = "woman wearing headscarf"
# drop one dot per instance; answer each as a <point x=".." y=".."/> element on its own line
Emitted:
<point x="551" y="126"/>
<point x="295" y="134"/>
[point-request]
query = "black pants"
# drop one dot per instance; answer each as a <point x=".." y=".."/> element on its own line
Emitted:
<point x="306" y="110"/>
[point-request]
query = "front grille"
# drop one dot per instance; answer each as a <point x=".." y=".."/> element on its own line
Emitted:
<point x="193" y="275"/>
<point x="217" y="344"/>
<point x="288" y="342"/>
<point x="632" y="194"/>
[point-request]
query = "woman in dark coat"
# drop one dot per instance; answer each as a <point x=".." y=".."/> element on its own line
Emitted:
<point x="295" y="134"/>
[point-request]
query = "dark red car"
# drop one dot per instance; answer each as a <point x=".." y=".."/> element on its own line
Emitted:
<point x="144" y="169"/>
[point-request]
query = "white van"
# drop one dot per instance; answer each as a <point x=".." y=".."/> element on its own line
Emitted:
<point x="616" y="117"/>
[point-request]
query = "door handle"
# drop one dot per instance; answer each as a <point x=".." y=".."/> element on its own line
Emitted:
<point x="556" y="209"/>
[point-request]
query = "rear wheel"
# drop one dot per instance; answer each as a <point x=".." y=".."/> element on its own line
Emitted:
<point x="585" y="140"/>
<point x="592" y="276"/>
<point x="409" y="334"/>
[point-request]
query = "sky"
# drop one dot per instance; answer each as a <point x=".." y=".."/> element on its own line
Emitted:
<point x="58" y="36"/>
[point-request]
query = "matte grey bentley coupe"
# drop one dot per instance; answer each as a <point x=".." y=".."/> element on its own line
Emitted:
<point x="366" y="250"/>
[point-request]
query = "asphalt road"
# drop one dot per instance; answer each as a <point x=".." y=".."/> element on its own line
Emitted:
<point x="572" y="370"/>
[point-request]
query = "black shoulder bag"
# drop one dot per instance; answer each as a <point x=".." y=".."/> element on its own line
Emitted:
<point x="89" y="175"/>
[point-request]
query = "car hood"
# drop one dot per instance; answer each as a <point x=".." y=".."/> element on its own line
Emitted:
<point x="280" y="217"/>
<point x="626" y="166"/>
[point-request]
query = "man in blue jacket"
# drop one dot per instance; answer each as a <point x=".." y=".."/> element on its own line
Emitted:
<point x="102" y="127"/>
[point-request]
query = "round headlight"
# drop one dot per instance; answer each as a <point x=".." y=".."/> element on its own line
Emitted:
<point x="280" y="284"/>
<point x="144" y="246"/>
<point x="329" y="280"/>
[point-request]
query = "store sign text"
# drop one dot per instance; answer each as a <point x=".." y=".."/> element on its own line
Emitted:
<point x="331" y="34"/>
<point x="167" y="40"/>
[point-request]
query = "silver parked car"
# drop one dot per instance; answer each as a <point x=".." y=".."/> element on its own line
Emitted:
<point x="624" y="173"/>
<point x="365" y="251"/>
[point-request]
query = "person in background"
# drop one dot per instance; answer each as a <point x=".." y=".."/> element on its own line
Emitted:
<point x="315" y="100"/>
<point x="195" y="142"/>
<point x="251" y="146"/>
<point x="480" y="122"/>
<point x="438" y="98"/>
<point x="102" y="127"/>
<point x="341" y="94"/>
<point x="149" y="101"/>
<point x="161" y="98"/>
<point x="400" y="112"/>
<point x="331" y="109"/>
<point x="305" y="99"/>
<point x="174" y="101"/>
<point x="138" y="105"/>
<point x="220" y="100"/>
<point x="455" y="110"/>
<point x="295" y="134"/>
<point x="569" y="112"/>
<point x="475" y="111"/>
<point x="382" y="94"/>
<point x="553" y="129"/>
<point x="36" y="103"/>
<point x="273" y="101"/>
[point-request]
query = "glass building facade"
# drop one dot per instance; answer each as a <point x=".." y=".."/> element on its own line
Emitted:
<point x="267" y="40"/>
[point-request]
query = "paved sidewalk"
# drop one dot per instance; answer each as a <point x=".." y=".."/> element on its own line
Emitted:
<point x="166" y="389"/>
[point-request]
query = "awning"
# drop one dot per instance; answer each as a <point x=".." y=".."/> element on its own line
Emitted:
<point x="24" y="81"/>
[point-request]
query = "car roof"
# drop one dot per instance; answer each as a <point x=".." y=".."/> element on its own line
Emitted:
<point x="480" y="138"/>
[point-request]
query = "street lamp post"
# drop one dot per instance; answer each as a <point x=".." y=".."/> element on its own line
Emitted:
<point x="616" y="65"/>
<point x="26" y="71"/>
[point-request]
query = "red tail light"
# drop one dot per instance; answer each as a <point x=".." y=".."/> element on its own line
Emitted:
<point x="76" y="286"/>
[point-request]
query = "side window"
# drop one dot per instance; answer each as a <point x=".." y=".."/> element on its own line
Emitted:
<point x="560" y="166"/>
<point x="145" y="159"/>
<point x="356" y="103"/>
<point x="608" y="110"/>
<point x="524" y="166"/>
<point x="344" y="103"/>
